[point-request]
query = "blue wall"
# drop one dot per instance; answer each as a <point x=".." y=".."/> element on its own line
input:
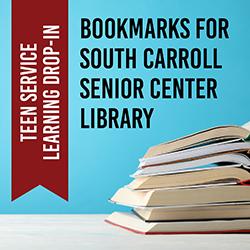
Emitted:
<point x="101" y="160"/>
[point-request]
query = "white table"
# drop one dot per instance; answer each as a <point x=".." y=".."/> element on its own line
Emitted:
<point x="87" y="232"/>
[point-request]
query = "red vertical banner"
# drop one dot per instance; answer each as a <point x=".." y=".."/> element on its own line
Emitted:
<point x="39" y="96"/>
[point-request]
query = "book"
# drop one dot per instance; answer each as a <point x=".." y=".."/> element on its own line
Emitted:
<point x="196" y="153"/>
<point x="209" y="162"/>
<point x="208" y="136"/>
<point x="215" y="211"/>
<point x="181" y="196"/>
<point x="133" y="223"/>
<point x="212" y="176"/>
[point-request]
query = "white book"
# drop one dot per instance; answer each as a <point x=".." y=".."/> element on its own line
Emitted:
<point x="197" y="152"/>
<point x="236" y="160"/>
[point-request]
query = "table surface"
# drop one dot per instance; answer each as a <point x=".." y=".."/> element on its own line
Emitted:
<point x="90" y="232"/>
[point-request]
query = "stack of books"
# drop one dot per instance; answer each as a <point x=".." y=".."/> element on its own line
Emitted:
<point x="195" y="184"/>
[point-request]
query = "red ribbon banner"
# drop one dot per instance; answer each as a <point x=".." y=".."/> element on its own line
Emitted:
<point x="39" y="96"/>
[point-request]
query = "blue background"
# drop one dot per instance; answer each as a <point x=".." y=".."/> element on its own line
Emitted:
<point x="101" y="160"/>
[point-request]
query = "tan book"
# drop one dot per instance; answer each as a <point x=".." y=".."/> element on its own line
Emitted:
<point x="133" y="223"/>
<point x="181" y="196"/>
<point x="218" y="175"/>
<point x="203" y="137"/>
<point x="187" y="213"/>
